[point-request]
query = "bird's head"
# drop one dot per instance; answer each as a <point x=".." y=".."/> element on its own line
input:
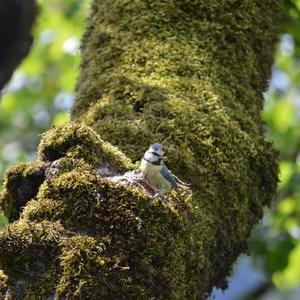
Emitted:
<point x="154" y="154"/>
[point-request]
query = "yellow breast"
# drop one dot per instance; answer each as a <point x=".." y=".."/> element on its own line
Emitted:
<point x="153" y="175"/>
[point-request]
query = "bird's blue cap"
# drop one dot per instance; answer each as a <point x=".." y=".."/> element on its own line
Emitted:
<point x="156" y="148"/>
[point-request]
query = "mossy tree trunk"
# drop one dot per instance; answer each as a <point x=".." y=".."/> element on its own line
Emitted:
<point x="187" y="74"/>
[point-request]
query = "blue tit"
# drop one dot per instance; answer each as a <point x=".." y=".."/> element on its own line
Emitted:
<point x="158" y="175"/>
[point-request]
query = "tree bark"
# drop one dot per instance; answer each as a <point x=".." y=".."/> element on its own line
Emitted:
<point x="187" y="74"/>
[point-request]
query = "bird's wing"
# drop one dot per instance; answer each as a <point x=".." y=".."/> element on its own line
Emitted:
<point x="180" y="182"/>
<point x="169" y="176"/>
<point x="174" y="180"/>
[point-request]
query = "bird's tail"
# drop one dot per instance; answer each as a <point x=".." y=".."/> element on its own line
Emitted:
<point x="184" y="186"/>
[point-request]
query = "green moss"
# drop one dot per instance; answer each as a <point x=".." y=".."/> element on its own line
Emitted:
<point x="64" y="165"/>
<point x="122" y="264"/>
<point x="44" y="286"/>
<point x="71" y="197"/>
<point x="28" y="255"/>
<point x="26" y="248"/>
<point x="83" y="256"/>
<point x="80" y="142"/>
<point x="44" y="209"/>
<point x="190" y="75"/>
<point x="3" y="284"/>
<point x="21" y="184"/>
<point x="187" y="74"/>
<point x="127" y="242"/>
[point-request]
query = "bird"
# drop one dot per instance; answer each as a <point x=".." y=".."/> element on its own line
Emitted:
<point x="158" y="175"/>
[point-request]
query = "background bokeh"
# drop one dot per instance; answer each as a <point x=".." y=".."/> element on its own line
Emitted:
<point x="41" y="94"/>
<point x="41" y="91"/>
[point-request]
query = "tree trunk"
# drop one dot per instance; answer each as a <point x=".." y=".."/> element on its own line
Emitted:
<point x="189" y="75"/>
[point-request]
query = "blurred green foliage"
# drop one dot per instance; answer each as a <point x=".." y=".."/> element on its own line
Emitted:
<point x="41" y="91"/>
<point x="3" y="221"/>
<point x="276" y="243"/>
<point x="291" y="22"/>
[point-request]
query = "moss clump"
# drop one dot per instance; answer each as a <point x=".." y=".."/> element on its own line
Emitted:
<point x="130" y="253"/>
<point x="131" y="247"/>
<point x="64" y="165"/>
<point x="133" y="233"/>
<point x="3" y="285"/>
<point x="44" y="209"/>
<point x="80" y="142"/>
<point x="82" y="257"/>
<point x="27" y="248"/>
<point x="21" y="184"/>
<point x="44" y="286"/>
<point x="71" y="198"/>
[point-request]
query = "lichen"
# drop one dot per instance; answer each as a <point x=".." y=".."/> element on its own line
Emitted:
<point x="187" y="74"/>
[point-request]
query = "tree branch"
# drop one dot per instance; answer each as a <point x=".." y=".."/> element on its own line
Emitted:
<point x="16" y="21"/>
